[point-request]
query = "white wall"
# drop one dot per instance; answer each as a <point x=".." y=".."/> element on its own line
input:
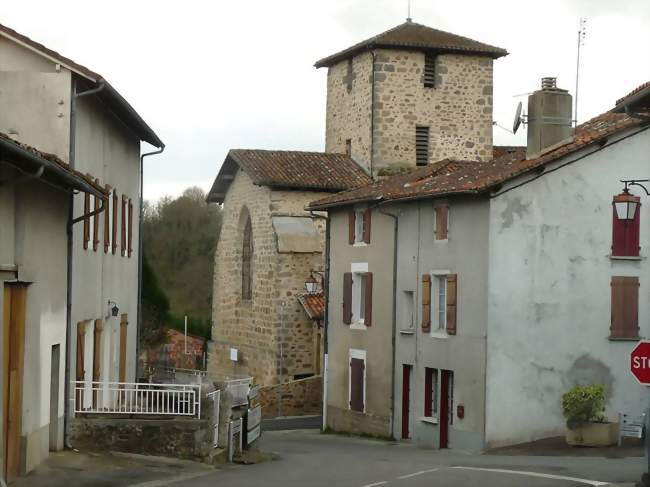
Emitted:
<point x="549" y="293"/>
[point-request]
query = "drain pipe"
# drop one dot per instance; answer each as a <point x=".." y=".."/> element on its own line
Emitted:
<point x="139" y="320"/>
<point x="25" y="178"/>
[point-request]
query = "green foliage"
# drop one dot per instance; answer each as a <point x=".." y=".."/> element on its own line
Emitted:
<point x="582" y="404"/>
<point x="179" y="238"/>
<point x="155" y="308"/>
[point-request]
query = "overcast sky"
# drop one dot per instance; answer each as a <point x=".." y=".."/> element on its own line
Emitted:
<point x="212" y="75"/>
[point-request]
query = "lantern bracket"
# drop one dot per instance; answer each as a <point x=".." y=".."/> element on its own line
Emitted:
<point x="635" y="182"/>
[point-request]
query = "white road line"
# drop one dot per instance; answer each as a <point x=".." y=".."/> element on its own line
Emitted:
<point x="178" y="478"/>
<point x="415" y="474"/>
<point x="383" y="482"/>
<point x="536" y="474"/>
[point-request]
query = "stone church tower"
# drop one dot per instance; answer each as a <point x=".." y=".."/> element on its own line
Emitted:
<point x="409" y="96"/>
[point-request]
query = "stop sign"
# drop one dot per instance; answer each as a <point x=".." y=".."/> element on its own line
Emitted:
<point x="640" y="362"/>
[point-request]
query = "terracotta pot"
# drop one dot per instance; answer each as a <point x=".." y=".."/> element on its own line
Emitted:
<point x="593" y="434"/>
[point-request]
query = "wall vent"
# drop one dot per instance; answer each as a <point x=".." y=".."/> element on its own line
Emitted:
<point x="421" y="145"/>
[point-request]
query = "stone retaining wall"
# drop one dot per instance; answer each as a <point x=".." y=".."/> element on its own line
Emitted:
<point x="302" y="397"/>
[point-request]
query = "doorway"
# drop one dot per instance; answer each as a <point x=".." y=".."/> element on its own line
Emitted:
<point x="54" y="397"/>
<point x="406" y="400"/>
<point x="446" y="406"/>
<point x="13" y="320"/>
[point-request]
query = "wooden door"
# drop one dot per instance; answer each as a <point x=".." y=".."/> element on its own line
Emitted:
<point x="406" y="400"/>
<point x="445" y="407"/>
<point x="357" y="398"/>
<point x="15" y="295"/>
<point x="124" y="323"/>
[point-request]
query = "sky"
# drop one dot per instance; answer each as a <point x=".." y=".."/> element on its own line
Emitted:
<point x="209" y="76"/>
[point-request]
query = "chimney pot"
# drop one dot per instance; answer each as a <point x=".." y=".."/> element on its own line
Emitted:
<point x="549" y="83"/>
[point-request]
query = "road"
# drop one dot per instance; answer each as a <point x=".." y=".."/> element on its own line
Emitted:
<point x="308" y="458"/>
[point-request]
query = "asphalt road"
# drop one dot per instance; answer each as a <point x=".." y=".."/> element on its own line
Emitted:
<point x="308" y="458"/>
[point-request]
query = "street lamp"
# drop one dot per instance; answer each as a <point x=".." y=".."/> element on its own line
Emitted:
<point x="625" y="203"/>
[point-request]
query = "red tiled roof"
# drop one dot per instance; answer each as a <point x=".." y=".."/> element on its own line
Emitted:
<point x="318" y="171"/>
<point x="451" y="177"/>
<point x="80" y="181"/>
<point x="120" y="106"/>
<point x="634" y="91"/>
<point x="314" y="305"/>
<point x="418" y="37"/>
<point x="636" y="100"/>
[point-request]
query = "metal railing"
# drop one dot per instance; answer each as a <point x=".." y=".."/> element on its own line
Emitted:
<point x="137" y="398"/>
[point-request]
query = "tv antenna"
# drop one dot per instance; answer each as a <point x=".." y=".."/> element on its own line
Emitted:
<point x="408" y="17"/>
<point x="519" y="118"/>
<point x="582" y="33"/>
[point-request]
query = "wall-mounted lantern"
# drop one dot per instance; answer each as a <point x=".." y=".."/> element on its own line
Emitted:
<point x="311" y="284"/>
<point x="626" y="205"/>
<point x="113" y="310"/>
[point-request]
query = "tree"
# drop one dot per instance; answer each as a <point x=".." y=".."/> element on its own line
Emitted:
<point x="155" y="309"/>
<point x="179" y="238"/>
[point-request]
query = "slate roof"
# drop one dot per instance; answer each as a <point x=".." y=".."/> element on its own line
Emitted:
<point x="454" y="177"/>
<point x="317" y="171"/>
<point x="314" y="305"/>
<point x="411" y="35"/>
<point x="57" y="171"/>
<point x="122" y="109"/>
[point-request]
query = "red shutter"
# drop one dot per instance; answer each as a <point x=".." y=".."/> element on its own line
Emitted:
<point x="625" y="307"/>
<point x="452" y="285"/>
<point x="130" y="242"/>
<point x="625" y="234"/>
<point x="427" y="392"/>
<point x="86" y="219"/>
<point x="367" y="319"/>
<point x="347" y="298"/>
<point x="426" y="303"/>
<point x="114" y="232"/>
<point x="356" y="384"/>
<point x="366" y="225"/>
<point x="351" y="227"/>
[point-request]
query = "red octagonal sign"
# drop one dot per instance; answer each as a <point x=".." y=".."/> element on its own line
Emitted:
<point x="640" y="362"/>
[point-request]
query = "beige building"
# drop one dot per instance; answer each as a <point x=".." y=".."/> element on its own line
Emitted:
<point x="78" y="119"/>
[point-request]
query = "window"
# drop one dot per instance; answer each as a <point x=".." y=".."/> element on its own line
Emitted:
<point x="247" y="267"/>
<point x="429" y="71"/>
<point x="349" y="76"/>
<point x="357" y="296"/>
<point x="421" y="145"/>
<point x="441" y="227"/>
<point x="357" y="381"/>
<point x="625" y="308"/>
<point x="441" y="302"/>
<point x="430" y="392"/>
<point x="442" y="294"/>
<point x="625" y="233"/>
<point x="348" y="147"/>
<point x="407" y="322"/>
<point x="359" y="226"/>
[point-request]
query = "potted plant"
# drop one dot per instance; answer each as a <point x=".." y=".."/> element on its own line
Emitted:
<point x="584" y="410"/>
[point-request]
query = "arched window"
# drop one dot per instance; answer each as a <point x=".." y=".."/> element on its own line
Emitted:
<point x="247" y="266"/>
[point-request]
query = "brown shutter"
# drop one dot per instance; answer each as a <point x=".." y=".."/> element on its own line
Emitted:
<point x="124" y="322"/>
<point x="426" y="303"/>
<point x="347" y="298"/>
<point x="625" y="307"/>
<point x="123" y="239"/>
<point x="130" y="242"/>
<point x="356" y="384"/>
<point x="97" y="348"/>
<point x="114" y="231"/>
<point x="96" y="221"/>
<point x="107" y="221"/>
<point x="86" y="220"/>
<point x="366" y="225"/>
<point x="81" y="332"/>
<point x="452" y="280"/>
<point x="351" y="229"/>
<point x="442" y="214"/>
<point x="367" y="319"/>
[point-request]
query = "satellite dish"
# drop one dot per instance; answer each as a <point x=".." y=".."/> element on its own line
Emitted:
<point x="517" y="121"/>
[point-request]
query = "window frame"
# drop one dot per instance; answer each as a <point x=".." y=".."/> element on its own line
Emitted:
<point x="437" y="276"/>
<point x="358" y="270"/>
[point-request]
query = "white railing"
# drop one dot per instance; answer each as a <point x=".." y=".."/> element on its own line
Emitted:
<point x="137" y="398"/>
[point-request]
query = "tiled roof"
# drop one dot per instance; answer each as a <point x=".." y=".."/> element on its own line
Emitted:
<point x="452" y="177"/>
<point x="314" y="304"/>
<point x="14" y="151"/>
<point x="318" y="171"/>
<point x="637" y="99"/>
<point x="120" y="106"/>
<point x="410" y="35"/>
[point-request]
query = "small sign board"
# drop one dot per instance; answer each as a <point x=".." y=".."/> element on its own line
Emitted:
<point x="233" y="354"/>
<point x="631" y="427"/>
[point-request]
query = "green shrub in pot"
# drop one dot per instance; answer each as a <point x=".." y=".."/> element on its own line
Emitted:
<point x="584" y="404"/>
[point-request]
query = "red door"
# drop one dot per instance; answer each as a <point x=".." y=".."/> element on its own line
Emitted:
<point x="406" y="400"/>
<point x="445" y="407"/>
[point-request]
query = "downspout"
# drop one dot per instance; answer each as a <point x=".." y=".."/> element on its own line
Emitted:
<point x="139" y="321"/>
<point x="68" y="325"/>
<point x="325" y="312"/>
<point x="394" y="317"/>
<point x="372" y="113"/>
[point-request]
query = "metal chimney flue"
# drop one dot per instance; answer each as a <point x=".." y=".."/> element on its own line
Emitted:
<point x="550" y="117"/>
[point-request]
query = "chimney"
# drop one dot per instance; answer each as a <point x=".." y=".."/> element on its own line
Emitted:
<point x="550" y="118"/>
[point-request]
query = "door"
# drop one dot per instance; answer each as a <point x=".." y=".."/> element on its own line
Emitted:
<point x="357" y="369"/>
<point x="446" y="406"/>
<point x="54" y="397"/>
<point x="14" y="348"/>
<point x="406" y="400"/>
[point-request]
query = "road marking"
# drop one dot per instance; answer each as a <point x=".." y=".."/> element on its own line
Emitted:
<point x="421" y="472"/>
<point x="595" y="483"/>
<point x="178" y="478"/>
<point x="383" y="482"/>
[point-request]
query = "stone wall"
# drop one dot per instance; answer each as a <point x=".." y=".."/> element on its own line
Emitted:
<point x="302" y="397"/>
<point x="344" y="420"/>
<point x="273" y="320"/>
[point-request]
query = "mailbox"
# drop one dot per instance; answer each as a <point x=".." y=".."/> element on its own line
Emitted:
<point x="460" y="411"/>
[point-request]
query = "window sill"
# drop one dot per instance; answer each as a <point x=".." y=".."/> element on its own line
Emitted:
<point x="407" y="332"/>
<point x="358" y="326"/>
<point x="428" y="419"/>
<point x="625" y="257"/>
<point x="359" y="244"/>
<point x="624" y="339"/>
<point x="439" y="334"/>
<point x="440" y="240"/>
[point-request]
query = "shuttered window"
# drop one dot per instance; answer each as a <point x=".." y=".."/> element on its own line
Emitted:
<point x="114" y="228"/>
<point x="357" y="372"/>
<point x="347" y="298"/>
<point x="430" y="392"/>
<point x="426" y="303"/>
<point x="625" y="308"/>
<point x="359" y="223"/>
<point x="452" y="286"/>
<point x="429" y="71"/>
<point x="441" y="213"/>
<point x="421" y="145"/>
<point x="625" y="235"/>
<point x="443" y="296"/>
